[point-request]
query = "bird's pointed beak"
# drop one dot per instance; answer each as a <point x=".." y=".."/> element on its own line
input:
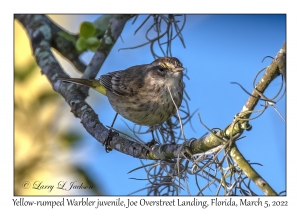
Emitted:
<point x="179" y="69"/>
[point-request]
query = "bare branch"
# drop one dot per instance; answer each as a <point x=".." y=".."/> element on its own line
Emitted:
<point x="111" y="35"/>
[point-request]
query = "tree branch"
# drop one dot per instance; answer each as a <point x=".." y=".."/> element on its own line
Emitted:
<point x="111" y="35"/>
<point x="64" y="46"/>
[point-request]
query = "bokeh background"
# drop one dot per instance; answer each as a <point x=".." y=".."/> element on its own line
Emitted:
<point x="51" y="146"/>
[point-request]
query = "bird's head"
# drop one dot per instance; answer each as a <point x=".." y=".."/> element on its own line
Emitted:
<point x="167" y="70"/>
<point x="171" y="64"/>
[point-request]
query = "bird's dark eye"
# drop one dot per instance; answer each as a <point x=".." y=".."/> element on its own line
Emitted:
<point x="160" y="68"/>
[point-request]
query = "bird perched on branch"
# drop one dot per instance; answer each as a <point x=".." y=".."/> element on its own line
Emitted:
<point x="144" y="94"/>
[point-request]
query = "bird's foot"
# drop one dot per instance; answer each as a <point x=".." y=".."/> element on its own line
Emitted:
<point x="108" y="139"/>
<point x="151" y="143"/>
<point x="187" y="152"/>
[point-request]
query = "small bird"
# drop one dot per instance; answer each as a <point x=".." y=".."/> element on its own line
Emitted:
<point x="142" y="93"/>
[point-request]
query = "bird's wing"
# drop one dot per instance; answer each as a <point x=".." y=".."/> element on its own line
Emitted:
<point x="125" y="82"/>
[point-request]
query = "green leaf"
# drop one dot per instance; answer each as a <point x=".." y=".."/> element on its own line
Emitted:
<point x="87" y="30"/>
<point x="81" y="44"/>
<point x="93" y="43"/>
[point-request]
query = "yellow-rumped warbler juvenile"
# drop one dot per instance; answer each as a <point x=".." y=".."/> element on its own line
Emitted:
<point x="141" y="93"/>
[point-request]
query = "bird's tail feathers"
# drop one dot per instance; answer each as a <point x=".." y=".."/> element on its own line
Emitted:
<point x="95" y="84"/>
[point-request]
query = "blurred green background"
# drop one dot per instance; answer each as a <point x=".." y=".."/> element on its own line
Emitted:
<point x="44" y="135"/>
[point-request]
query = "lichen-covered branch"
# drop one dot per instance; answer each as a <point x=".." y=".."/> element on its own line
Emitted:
<point x="250" y="172"/>
<point x="276" y="67"/>
<point x="64" y="46"/>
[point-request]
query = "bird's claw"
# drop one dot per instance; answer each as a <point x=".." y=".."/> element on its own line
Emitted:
<point x="108" y="139"/>
<point x="187" y="152"/>
<point x="151" y="143"/>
